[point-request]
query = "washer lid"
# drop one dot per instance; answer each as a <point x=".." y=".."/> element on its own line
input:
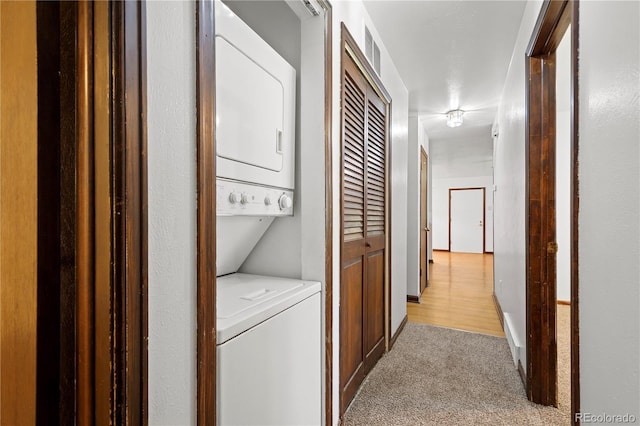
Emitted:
<point x="241" y="292"/>
<point x="245" y="300"/>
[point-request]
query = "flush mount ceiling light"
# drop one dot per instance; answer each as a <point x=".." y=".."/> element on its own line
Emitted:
<point x="454" y="118"/>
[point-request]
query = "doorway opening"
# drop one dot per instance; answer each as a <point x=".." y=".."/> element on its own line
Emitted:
<point x="467" y="220"/>
<point x="543" y="136"/>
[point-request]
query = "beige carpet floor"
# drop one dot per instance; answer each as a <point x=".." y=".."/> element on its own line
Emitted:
<point x="439" y="376"/>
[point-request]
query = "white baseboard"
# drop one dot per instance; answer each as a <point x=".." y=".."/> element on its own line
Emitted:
<point x="515" y="345"/>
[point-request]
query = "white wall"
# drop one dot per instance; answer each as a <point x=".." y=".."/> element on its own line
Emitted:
<point x="440" y="190"/>
<point x="354" y="15"/>
<point x="417" y="138"/>
<point x="172" y="212"/>
<point x="563" y="168"/>
<point x="609" y="216"/>
<point x="509" y="177"/>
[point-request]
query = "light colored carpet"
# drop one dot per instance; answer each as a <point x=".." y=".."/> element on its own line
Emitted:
<point x="439" y="376"/>
<point x="563" y="337"/>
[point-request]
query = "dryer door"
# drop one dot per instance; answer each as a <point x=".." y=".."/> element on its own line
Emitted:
<point x="249" y="113"/>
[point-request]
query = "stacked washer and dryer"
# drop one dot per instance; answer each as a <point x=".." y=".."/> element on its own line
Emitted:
<point x="268" y="328"/>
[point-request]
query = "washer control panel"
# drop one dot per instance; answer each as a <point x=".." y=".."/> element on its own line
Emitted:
<point x="237" y="198"/>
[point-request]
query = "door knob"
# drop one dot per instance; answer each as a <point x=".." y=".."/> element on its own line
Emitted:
<point x="426" y="228"/>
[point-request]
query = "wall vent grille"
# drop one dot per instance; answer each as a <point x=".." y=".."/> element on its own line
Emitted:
<point x="372" y="50"/>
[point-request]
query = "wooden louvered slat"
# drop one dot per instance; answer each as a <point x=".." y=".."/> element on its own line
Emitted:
<point x="376" y="177"/>
<point x="353" y="161"/>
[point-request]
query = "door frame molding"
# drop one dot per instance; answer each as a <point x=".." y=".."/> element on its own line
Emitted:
<point x="426" y="156"/>
<point x="541" y="378"/>
<point x="484" y="214"/>
<point x="206" y="214"/>
<point x="111" y="216"/>
<point x="349" y="48"/>
<point x="328" y="201"/>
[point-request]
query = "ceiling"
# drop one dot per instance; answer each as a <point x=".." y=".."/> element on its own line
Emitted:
<point x="451" y="54"/>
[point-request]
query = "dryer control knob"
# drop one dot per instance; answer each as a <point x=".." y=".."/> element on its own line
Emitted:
<point x="244" y="199"/>
<point x="234" y="198"/>
<point x="285" y="202"/>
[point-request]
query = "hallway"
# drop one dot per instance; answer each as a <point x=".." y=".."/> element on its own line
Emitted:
<point x="439" y="373"/>
<point x="439" y="376"/>
<point x="459" y="295"/>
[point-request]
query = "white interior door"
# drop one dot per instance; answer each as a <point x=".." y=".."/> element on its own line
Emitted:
<point x="466" y="220"/>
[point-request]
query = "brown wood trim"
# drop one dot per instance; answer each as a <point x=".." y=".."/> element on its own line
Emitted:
<point x="104" y="254"/>
<point x="129" y="212"/>
<point x="551" y="25"/>
<point x="484" y="213"/>
<point x="413" y="299"/>
<point x="49" y="303"/>
<point x="434" y="249"/>
<point x="564" y="302"/>
<point x="328" y="201"/>
<point x="496" y="303"/>
<point x="85" y="325"/>
<point x="397" y="333"/>
<point x="540" y="177"/>
<point x="206" y="187"/>
<point x="575" y="204"/>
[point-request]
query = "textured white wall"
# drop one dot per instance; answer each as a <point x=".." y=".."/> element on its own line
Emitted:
<point x="563" y="168"/>
<point x="172" y="212"/>
<point x="509" y="176"/>
<point x="440" y="189"/>
<point x="354" y="15"/>
<point x="609" y="217"/>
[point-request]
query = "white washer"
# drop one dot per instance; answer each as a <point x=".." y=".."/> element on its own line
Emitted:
<point x="269" y="351"/>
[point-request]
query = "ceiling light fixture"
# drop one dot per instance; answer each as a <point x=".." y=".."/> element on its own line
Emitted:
<point x="454" y="118"/>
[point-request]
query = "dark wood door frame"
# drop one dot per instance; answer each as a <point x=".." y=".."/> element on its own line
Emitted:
<point x="206" y="216"/>
<point x="328" y="201"/>
<point x="484" y="213"/>
<point x="424" y="227"/>
<point x="111" y="322"/>
<point x="541" y="379"/>
<point x="350" y="49"/>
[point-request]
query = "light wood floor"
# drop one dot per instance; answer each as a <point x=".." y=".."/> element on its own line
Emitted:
<point x="459" y="295"/>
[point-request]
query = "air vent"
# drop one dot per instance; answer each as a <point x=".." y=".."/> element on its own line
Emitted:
<point x="312" y="6"/>
<point x="372" y="51"/>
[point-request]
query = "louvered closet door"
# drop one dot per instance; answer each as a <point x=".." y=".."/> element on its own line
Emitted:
<point x="363" y="236"/>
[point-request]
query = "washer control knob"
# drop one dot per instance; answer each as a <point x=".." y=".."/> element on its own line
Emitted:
<point x="234" y="198"/>
<point x="244" y="199"/>
<point x="285" y="202"/>
<point x="267" y="201"/>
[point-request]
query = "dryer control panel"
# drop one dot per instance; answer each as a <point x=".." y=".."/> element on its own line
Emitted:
<point x="241" y="199"/>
